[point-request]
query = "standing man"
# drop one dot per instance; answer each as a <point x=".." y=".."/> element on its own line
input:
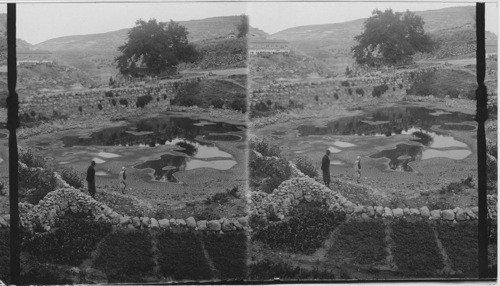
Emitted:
<point x="91" y="179"/>
<point x="122" y="178"/>
<point x="357" y="168"/>
<point x="325" y="167"/>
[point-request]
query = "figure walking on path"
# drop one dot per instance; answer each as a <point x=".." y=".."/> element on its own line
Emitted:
<point x="357" y="168"/>
<point x="122" y="178"/>
<point x="91" y="179"/>
<point x="325" y="167"/>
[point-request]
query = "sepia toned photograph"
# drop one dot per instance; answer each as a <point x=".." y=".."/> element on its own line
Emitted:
<point x="248" y="142"/>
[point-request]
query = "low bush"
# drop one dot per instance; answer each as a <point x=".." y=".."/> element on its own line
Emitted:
<point x="72" y="177"/>
<point x="70" y="243"/>
<point x="272" y="172"/>
<point x="217" y="103"/>
<point x="416" y="252"/>
<point x="265" y="148"/>
<point x="460" y="243"/>
<point x="113" y="101"/>
<point x="458" y="187"/>
<point x="125" y="257"/>
<point x="306" y="166"/>
<point x="108" y="93"/>
<point x="336" y="96"/>
<point x="360" y="91"/>
<point x="239" y="105"/>
<point x="303" y="233"/>
<point x="344" y="83"/>
<point x="268" y="270"/>
<point x="124" y="102"/>
<point x="39" y="182"/>
<point x="143" y="100"/>
<point x="181" y="257"/>
<point x="99" y="106"/>
<point x="349" y="91"/>
<point x="378" y="90"/>
<point x="29" y="157"/>
<point x="228" y="253"/>
<point x="362" y="240"/>
<point x="224" y="197"/>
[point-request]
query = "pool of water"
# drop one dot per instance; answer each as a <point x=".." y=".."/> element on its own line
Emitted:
<point x="417" y="122"/>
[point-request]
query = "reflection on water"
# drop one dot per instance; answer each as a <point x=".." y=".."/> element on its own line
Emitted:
<point x="452" y="154"/>
<point x="387" y="121"/>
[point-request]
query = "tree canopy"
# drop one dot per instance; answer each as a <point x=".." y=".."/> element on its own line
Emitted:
<point x="155" y="48"/>
<point x="391" y="38"/>
<point x="243" y="26"/>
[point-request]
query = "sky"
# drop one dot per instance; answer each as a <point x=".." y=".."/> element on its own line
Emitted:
<point x="38" y="22"/>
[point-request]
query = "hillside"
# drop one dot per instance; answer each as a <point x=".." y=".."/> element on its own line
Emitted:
<point x="331" y="43"/>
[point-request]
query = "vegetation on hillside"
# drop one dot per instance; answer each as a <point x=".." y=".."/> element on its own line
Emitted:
<point x="221" y="54"/>
<point x="391" y="38"/>
<point x="444" y="82"/>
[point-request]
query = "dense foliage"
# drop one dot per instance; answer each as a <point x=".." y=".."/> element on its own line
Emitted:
<point x="391" y="38"/>
<point x="31" y="159"/>
<point x="416" y="252"/>
<point x="243" y="27"/>
<point x="304" y="232"/>
<point x="378" y="90"/>
<point x="143" y="100"/>
<point x="228" y="253"/>
<point x="363" y="241"/>
<point x="306" y="166"/>
<point x="182" y="257"/>
<point x="268" y="270"/>
<point x="154" y="48"/>
<point x="36" y="183"/>
<point x="268" y="173"/>
<point x="72" y="177"/>
<point x="460" y="243"/>
<point x="125" y="256"/>
<point x="70" y="243"/>
<point x="264" y="148"/>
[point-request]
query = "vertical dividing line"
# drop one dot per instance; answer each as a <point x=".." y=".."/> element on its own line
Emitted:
<point x="481" y="116"/>
<point x="12" y="125"/>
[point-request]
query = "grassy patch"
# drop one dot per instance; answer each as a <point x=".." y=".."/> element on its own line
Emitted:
<point x="125" y="256"/>
<point x="443" y="82"/>
<point x="5" y="255"/>
<point x="460" y="242"/>
<point x="302" y="233"/>
<point x="70" y="243"/>
<point x="416" y="252"/>
<point x="268" y="270"/>
<point x="182" y="257"/>
<point x="228" y="253"/>
<point x="361" y="240"/>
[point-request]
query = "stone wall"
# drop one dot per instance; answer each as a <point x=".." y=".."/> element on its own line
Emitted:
<point x="95" y="101"/>
<point x="330" y="91"/>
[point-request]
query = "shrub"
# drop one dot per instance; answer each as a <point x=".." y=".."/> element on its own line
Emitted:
<point x="124" y="102"/>
<point x="99" y="106"/>
<point x="302" y="233"/>
<point x="28" y="157"/>
<point x="113" y="101"/>
<point x="257" y="222"/>
<point x="39" y="182"/>
<point x="458" y="187"/>
<point x="228" y="253"/>
<point x="217" y="103"/>
<point x="268" y="270"/>
<point x="239" y="105"/>
<point x="180" y="254"/>
<point x="415" y="248"/>
<point x="360" y="91"/>
<point x="349" y="91"/>
<point x="80" y="109"/>
<point x="125" y="256"/>
<point x="72" y="177"/>
<point x="306" y="166"/>
<point x="336" y="96"/>
<point x="273" y="171"/>
<point x="344" y="83"/>
<point x="222" y="198"/>
<point x="70" y="243"/>
<point x="379" y="90"/>
<point x="143" y="100"/>
<point x="265" y="148"/>
<point x="108" y="93"/>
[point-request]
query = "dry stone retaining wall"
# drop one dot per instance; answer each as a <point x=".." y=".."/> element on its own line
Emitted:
<point x="329" y="91"/>
<point x="90" y="101"/>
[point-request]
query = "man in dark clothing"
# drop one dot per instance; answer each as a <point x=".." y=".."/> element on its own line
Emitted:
<point x="91" y="179"/>
<point x="325" y="167"/>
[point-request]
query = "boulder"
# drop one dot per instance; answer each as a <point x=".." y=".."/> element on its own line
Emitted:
<point x="136" y="222"/>
<point x="145" y="221"/>
<point x="435" y="214"/>
<point x="364" y="216"/>
<point x="475" y="210"/>
<point x="414" y="211"/>
<point x="190" y="222"/>
<point x="164" y="223"/>
<point x="461" y="215"/>
<point x="379" y="210"/>
<point x="424" y="212"/>
<point x="173" y="222"/>
<point x="387" y="212"/>
<point x="470" y="213"/>
<point x="236" y="224"/>
<point x="398" y="212"/>
<point x="3" y="223"/>
<point x="308" y="198"/>
<point x="201" y="224"/>
<point x="227" y="226"/>
<point x="370" y="211"/>
<point x="214" y="225"/>
<point x="448" y="215"/>
<point x="243" y="220"/>
<point x="154" y="223"/>
<point x="406" y="211"/>
<point x="6" y="218"/>
<point x="124" y="220"/>
<point x="358" y="209"/>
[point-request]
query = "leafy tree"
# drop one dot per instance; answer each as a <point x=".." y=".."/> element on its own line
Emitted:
<point x="243" y="27"/>
<point x="154" y="48"/>
<point x="391" y="38"/>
